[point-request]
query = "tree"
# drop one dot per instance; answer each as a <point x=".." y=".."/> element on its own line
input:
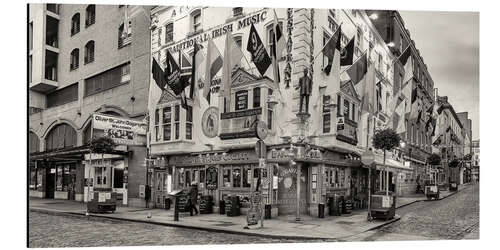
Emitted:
<point x="102" y="145"/>
<point x="386" y="139"/>
<point x="434" y="159"/>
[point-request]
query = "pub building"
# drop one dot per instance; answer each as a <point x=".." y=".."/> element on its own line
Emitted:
<point x="67" y="169"/>
<point x="214" y="147"/>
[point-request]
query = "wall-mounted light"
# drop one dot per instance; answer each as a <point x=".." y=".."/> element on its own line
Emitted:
<point x="132" y="98"/>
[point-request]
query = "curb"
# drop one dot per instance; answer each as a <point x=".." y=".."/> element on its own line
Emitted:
<point x="384" y="224"/>
<point x="442" y="198"/>
<point x="217" y="230"/>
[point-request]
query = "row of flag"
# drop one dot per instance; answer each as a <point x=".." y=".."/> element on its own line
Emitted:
<point x="189" y="73"/>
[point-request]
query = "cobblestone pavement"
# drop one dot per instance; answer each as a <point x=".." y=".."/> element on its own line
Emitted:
<point x="49" y="230"/>
<point x="456" y="217"/>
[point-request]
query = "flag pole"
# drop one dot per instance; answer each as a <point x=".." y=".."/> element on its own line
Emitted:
<point x="327" y="42"/>
<point x="274" y="59"/>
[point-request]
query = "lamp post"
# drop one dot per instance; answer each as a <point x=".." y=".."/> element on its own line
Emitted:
<point x="367" y="158"/>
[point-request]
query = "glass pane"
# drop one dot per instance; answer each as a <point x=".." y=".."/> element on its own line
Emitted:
<point x="237" y="177"/>
<point x="226" y="177"/>
<point x="247" y="174"/>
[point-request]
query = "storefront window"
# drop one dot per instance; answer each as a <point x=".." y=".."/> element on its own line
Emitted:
<point x="66" y="177"/>
<point x="247" y="175"/>
<point x="236" y="177"/>
<point x="202" y="176"/>
<point x="226" y="177"/>
<point x="102" y="175"/>
<point x="335" y="177"/>
<point x="33" y="177"/>
<point x="188" y="177"/>
<point x="59" y="181"/>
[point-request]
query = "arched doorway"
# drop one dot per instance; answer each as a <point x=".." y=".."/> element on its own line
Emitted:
<point x="61" y="173"/>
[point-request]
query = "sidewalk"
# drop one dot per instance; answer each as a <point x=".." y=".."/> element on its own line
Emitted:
<point x="330" y="227"/>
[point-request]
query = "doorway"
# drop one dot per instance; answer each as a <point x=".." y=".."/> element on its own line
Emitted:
<point x="50" y="186"/>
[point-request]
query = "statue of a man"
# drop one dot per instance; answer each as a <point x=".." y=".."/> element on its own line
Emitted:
<point x="305" y="85"/>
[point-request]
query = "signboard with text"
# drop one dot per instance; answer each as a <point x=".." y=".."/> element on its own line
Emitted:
<point x="122" y="131"/>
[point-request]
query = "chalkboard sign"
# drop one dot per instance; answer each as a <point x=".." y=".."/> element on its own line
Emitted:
<point x="348" y="207"/>
<point x="254" y="213"/>
<point x="183" y="202"/>
<point x="211" y="178"/>
<point x="241" y="100"/>
<point x="206" y="205"/>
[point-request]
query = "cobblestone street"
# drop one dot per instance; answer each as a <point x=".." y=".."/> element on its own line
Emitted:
<point x="456" y="217"/>
<point x="48" y="230"/>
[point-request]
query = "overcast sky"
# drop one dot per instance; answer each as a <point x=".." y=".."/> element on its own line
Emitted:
<point x="449" y="44"/>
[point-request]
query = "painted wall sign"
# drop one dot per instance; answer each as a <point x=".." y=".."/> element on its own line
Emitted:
<point x="210" y="122"/>
<point x="241" y="113"/>
<point x="241" y="101"/>
<point x="220" y="30"/>
<point x="122" y="131"/>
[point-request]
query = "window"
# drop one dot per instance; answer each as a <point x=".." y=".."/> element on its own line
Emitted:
<point x="75" y="24"/>
<point x="102" y="176"/>
<point x="347" y="109"/>
<point x="63" y="96"/>
<point x="236" y="177"/>
<point x="380" y="62"/>
<point x="89" y="52"/>
<point x="401" y="43"/>
<point x="378" y="92"/>
<point x="60" y="136"/>
<point x="90" y="15"/>
<point x="247" y="176"/>
<point x="124" y="35"/>
<point x="269" y="112"/>
<point x="30" y="69"/>
<point x="189" y="123"/>
<point x="75" y="58"/>
<point x="118" y="174"/>
<point x="338" y="105"/>
<point x="34" y="142"/>
<point x="156" y="123"/>
<point x="196" y="20"/>
<point x="353" y="117"/>
<point x="226" y="176"/>
<point x="177" y="121"/>
<point x="238" y="11"/>
<point x="107" y="80"/>
<point x="334" y="176"/>
<point x="238" y="40"/>
<point x="169" y="33"/>
<point x="331" y="21"/>
<point x="256" y="97"/>
<point x="167" y="123"/>
<point x="326" y="114"/>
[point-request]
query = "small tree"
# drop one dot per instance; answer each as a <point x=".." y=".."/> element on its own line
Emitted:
<point x="434" y="159"/>
<point x="102" y="145"/>
<point x="386" y="139"/>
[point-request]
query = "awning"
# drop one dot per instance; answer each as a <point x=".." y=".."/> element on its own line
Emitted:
<point x="73" y="152"/>
<point x="389" y="163"/>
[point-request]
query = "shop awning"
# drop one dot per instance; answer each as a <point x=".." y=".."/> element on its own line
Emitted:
<point x="389" y="163"/>
<point x="73" y="153"/>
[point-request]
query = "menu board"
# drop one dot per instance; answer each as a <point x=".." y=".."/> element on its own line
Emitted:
<point x="254" y="213"/>
<point x="241" y="100"/>
<point x="211" y="178"/>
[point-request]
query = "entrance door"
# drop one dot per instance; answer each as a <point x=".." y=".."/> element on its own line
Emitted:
<point x="159" y="192"/>
<point x="72" y="182"/>
<point x="50" y="186"/>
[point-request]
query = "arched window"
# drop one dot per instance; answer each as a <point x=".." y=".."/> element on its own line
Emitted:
<point x="75" y="58"/>
<point x="89" y="52"/>
<point x="34" y="142"/>
<point x="60" y="136"/>
<point x="75" y="24"/>
<point x="90" y="15"/>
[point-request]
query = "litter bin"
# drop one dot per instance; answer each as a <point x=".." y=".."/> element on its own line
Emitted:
<point x="321" y="210"/>
<point x="168" y="203"/>
<point x="222" y="207"/>
<point x="267" y="211"/>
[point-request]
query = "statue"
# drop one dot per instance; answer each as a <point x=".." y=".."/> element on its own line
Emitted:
<point x="305" y="85"/>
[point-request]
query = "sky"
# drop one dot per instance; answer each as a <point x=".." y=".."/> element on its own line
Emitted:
<point x="449" y="44"/>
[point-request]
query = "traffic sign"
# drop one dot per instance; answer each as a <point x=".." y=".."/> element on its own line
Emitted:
<point x="367" y="158"/>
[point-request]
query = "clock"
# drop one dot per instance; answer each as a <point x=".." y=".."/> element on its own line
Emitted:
<point x="261" y="130"/>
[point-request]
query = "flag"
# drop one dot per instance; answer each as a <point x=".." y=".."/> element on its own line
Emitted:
<point x="368" y="93"/>
<point x="186" y="75"/>
<point x="232" y="57"/>
<point x="173" y="75"/>
<point x="213" y="65"/>
<point x="158" y="75"/>
<point x="406" y="60"/>
<point x="347" y="53"/>
<point x="330" y="47"/>
<point x="416" y="105"/>
<point x="279" y="39"/>
<point x="399" y="120"/>
<point x="198" y="58"/>
<point x="358" y="70"/>
<point x="259" y="54"/>
<point x="277" y="46"/>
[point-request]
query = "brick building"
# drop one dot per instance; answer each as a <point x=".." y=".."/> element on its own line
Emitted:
<point x="85" y="60"/>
